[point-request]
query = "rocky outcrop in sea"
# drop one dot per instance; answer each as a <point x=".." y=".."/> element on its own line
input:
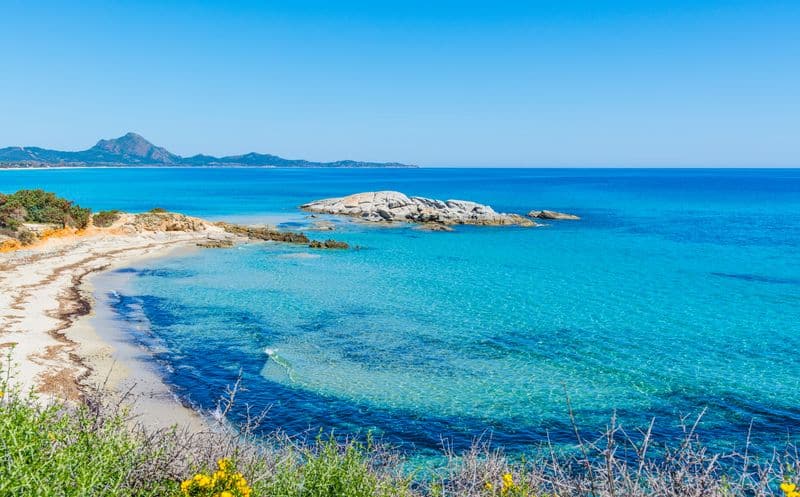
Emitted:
<point x="391" y="206"/>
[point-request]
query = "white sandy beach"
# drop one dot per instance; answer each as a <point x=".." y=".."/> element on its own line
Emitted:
<point x="46" y="316"/>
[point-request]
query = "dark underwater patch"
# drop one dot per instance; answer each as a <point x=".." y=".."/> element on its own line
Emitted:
<point x="158" y="273"/>
<point x="758" y="278"/>
<point x="127" y="308"/>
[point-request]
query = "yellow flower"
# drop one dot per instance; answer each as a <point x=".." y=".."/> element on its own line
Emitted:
<point x="488" y="486"/>
<point x="221" y="483"/>
<point x="202" y="480"/>
<point x="788" y="487"/>
<point x="225" y="465"/>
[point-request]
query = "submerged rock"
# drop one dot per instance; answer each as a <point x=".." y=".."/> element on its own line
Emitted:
<point x="560" y="216"/>
<point x="390" y="206"/>
<point x="328" y="244"/>
<point x="322" y="226"/>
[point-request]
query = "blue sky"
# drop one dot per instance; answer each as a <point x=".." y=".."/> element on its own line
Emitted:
<point x="537" y="83"/>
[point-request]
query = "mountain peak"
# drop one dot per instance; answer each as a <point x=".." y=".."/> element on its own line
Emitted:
<point x="134" y="136"/>
<point x="132" y="149"/>
<point x="133" y="145"/>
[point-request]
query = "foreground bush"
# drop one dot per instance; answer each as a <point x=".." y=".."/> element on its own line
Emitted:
<point x="96" y="450"/>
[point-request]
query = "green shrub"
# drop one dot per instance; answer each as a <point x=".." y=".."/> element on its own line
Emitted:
<point x="104" y="219"/>
<point x="39" y="206"/>
<point x="78" y="217"/>
<point x="158" y="210"/>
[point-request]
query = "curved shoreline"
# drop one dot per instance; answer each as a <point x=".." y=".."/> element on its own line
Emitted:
<point x="47" y="314"/>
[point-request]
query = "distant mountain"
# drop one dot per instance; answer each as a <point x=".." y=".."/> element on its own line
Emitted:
<point x="134" y="150"/>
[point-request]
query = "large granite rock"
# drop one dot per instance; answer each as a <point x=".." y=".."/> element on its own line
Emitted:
<point x="560" y="216"/>
<point x="389" y="206"/>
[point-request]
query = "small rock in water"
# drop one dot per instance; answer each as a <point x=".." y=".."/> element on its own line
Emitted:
<point x="559" y="216"/>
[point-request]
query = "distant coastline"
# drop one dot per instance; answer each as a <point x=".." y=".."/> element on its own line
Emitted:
<point x="23" y="167"/>
<point x="132" y="150"/>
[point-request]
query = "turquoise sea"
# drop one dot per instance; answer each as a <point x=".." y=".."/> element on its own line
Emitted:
<point x="678" y="291"/>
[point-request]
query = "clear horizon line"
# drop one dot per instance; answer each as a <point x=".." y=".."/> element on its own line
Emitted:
<point x="747" y="167"/>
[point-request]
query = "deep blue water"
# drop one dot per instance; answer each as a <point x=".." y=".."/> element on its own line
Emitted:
<point x="679" y="290"/>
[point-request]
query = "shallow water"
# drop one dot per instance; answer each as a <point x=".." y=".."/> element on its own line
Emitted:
<point x="679" y="290"/>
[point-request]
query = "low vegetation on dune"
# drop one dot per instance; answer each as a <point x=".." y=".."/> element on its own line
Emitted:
<point x="104" y="219"/>
<point x="97" y="449"/>
<point x="38" y="207"/>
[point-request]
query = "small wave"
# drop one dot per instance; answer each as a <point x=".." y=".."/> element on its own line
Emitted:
<point x="280" y="361"/>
